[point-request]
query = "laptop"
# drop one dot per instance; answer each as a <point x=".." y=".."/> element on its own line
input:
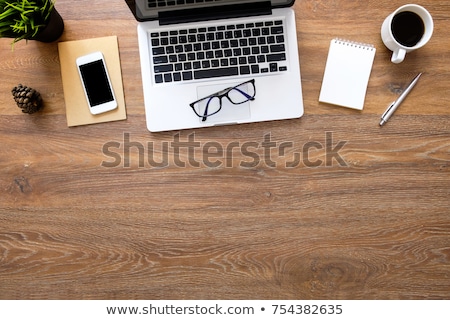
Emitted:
<point x="217" y="62"/>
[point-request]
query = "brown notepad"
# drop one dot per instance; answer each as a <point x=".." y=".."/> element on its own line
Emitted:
<point x="77" y="110"/>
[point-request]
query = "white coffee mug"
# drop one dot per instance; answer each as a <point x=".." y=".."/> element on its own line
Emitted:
<point x="407" y="29"/>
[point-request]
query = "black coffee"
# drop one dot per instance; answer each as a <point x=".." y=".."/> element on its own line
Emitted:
<point x="407" y="28"/>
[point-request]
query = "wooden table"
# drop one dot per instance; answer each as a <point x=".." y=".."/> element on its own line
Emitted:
<point x="363" y="213"/>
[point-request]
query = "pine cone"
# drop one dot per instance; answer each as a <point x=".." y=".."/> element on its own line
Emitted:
<point x="28" y="99"/>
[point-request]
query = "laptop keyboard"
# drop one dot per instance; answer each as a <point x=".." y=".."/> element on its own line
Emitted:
<point x="225" y="50"/>
<point x="166" y="3"/>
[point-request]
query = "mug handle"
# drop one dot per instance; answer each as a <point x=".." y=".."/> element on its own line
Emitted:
<point x="398" y="56"/>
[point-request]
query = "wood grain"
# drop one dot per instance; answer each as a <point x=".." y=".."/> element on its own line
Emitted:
<point x="370" y="221"/>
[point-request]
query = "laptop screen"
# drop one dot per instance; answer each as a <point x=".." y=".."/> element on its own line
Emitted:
<point x="152" y="9"/>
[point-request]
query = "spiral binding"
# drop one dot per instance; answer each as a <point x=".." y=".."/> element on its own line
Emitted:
<point x="354" y="44"/>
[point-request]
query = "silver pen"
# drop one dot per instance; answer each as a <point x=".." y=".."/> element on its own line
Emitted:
<point x="394" y="105"/>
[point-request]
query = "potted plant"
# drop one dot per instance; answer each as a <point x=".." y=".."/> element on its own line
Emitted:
<point x="30" y="20"/>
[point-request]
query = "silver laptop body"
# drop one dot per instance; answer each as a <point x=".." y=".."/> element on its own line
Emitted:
<point x="239" y="59"/>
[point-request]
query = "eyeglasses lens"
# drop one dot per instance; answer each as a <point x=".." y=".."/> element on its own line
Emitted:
<point x="208" y="107"/>
<point x="242" y="93"/>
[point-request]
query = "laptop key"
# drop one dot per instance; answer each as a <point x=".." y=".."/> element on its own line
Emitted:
<point x="160" y="59"/>
<point x="215" y="63"/>
<point x="244" y="70"/>
<point x="206" y="64"/>
<point x="163" y="68"/>
<point x="273" y="67"/>
<point x="187" y="75"/>
<point x="276" y="57"/>
<point x="159" y="78"/>
<point x="158" y="51"/>
<point x="214" y="73"/>
<point x="177" y="76"/>
<point x="168" y="77"/>
<point x="170" y="50"/>
<point x="277" y="48"/>
<point x="276" y="30"/>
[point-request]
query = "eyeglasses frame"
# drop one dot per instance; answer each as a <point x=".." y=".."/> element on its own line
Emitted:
<point x="223" y="93"/>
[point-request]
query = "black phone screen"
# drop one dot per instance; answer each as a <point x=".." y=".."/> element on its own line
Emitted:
<point x="96" y="83"/>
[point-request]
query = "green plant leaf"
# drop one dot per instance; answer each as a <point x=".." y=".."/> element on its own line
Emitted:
<point x="23" y="19"/>
<point x="6" y="13"/>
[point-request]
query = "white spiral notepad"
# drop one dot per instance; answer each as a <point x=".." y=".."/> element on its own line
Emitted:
<point x="347" y="73"/>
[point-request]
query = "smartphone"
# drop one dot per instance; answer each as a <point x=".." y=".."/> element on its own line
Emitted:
<point x="96" y="83"/>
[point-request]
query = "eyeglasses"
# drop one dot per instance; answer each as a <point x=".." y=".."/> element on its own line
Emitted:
<point x="212" y="104"/>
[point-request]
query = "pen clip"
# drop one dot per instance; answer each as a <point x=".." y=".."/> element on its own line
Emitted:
<point x="388" y="109"/>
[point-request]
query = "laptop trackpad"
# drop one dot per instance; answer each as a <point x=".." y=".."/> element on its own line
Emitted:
<point x="230" y="112"/>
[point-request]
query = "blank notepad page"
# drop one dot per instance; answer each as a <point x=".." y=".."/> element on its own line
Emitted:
<point x="347" y="73"/>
